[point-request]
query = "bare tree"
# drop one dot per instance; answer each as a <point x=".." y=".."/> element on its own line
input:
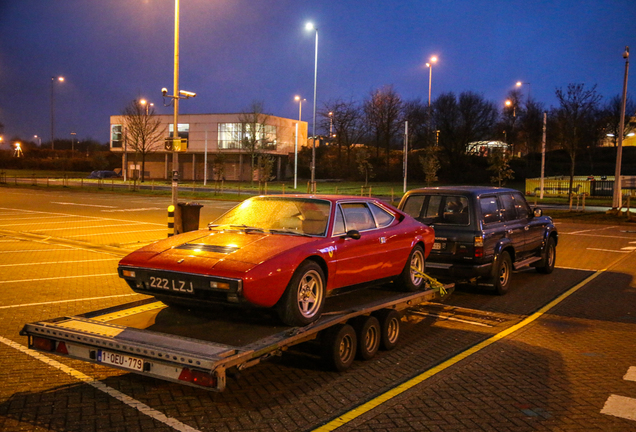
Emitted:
<point x="144" y="130"/>
<point x="461" y="121"/>
<point x="348" y="125"/>
<point x="576" y="121"/>
<point x="363" y="158"/>
<point x="612" y="117"/>
<point x="430" y="164"/>
<point x="383" y="114"/>
<point x="417" y="114"/>
<point x="257" y="135"/>
<point x="530" y="127"/>
<point x="499" y="166"/>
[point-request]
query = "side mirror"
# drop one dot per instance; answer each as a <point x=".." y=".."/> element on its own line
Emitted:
<point x="538" y="212"/>
<point x="354" y="234"/>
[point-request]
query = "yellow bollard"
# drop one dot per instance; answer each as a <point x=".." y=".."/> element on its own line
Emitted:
<point x="170" y="221"/>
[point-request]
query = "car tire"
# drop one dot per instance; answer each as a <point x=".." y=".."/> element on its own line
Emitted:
<point x="304" y="297"/>
<point x="389" y="320"/>
<point x="408" y="279"/>
<point x="368" y="333"/>
<point x="549" y="257"/>
<point x="502" y="273"/>
<point x="339" y="344"/>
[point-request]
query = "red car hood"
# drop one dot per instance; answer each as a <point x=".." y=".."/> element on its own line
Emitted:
<point x="200" y="251"/>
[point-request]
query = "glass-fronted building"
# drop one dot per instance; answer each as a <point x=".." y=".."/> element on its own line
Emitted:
<point x="223" y="142"/>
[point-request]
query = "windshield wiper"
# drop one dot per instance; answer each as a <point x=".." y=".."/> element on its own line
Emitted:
<point x="288" y="231"/>
<point x="248" y="228"/>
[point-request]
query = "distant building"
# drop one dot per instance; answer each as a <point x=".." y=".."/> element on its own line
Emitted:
<point x="484" y="148"/>
<point x="223" y="133"/>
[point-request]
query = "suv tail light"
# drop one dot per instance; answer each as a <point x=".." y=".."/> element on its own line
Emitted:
<point x="479" y="247"/>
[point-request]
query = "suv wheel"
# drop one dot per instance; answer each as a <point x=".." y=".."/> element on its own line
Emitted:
<point x="549" y="258"/>
<point x="502" y="272"/>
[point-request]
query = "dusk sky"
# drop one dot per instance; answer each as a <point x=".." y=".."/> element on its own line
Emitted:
<point x="234" y="52"/>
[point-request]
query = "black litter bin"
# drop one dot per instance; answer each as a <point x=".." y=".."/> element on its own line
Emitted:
<point x="190" y="216"/>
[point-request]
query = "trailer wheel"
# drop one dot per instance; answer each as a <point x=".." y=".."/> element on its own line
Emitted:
<point x="389" y="320"/>
<point x="368" y="332"/>
<point x="415" y="264"/>
<point x="339" y="346"/>
<point x="304" y="298"/>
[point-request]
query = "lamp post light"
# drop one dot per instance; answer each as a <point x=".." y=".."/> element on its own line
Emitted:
<point x="519" y="84"/>
<point x="53" y="79"/>
<point x="618" y="198"/>
<point x="300" y="114"/>
<point x="514" y="107"/>
<point x="310" y="26"/>
<point x="73" y="143"/>
<point x="34" y="136"/>
<point x="146" y="104"/>
<point x="430" y="77"/>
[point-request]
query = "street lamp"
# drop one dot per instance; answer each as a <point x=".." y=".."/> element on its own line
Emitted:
<point x="300" y="114"/>
<point x="310" y="26"/>
<point x="519" y="84"/>
<point x="430" y="77"/>
<point x="73" y="143"/>
<point x="53" y="79"/>
<point x="34" y="136"/>
<point x="618" y="198"/>
<point x="514" y="107"/>
<point x="145" y="103"/>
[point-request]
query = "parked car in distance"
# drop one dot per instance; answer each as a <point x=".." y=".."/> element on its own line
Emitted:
<point x="103" y="174"/>
<point x="483" y="233"/>
<point x="286" y="252"/>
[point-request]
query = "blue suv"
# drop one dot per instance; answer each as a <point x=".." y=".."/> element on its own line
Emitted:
<point x="483" y="233"/>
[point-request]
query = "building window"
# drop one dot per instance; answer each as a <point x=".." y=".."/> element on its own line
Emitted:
<point x="231" y="135"/>
<point x="116" y="136"/>
<point x="183" y="128"/>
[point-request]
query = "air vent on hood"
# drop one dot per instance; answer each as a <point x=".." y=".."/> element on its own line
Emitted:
<point x="208" y="248"/>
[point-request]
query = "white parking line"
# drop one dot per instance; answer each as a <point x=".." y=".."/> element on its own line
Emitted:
<point x="67" y="301"/>
<point x="132" y="209"/>
<point x="84" y="227"/>
<point x="122" y="232"/>
<point x="56" y="278"/>
<point x="620" y="406"/>
<point x="631" y="374"/>
<point x="133" y="403"/>
<point x="58" y="262"/>
<point x="83" y="205"/>
<point x="75" y="216"/>
<point x="33" y="250"/>
<point x="609" y="250"/>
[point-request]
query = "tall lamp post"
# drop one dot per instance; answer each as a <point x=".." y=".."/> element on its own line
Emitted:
<point x="36" y="137"/>
<point x="300" y="115"/>
<point x="618" y="198"/>
<point x="430" y="77"/>
<point x="519" y="84"/>
<point x="146" y="104"/>
<point x="53" y="79"/>
<point x="310" y="26"/>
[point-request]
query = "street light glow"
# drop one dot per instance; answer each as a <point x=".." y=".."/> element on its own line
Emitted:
<point x="434" y="59"/>
<point x="309" y="26"/>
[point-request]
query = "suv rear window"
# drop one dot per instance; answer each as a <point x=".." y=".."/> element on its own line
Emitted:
<point x="439" y="209"/>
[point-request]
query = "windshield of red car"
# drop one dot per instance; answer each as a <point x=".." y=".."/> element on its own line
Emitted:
<point x="280" y="215"/>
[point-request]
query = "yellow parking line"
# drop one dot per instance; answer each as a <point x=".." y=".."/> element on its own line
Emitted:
<point x="385" y="397"/>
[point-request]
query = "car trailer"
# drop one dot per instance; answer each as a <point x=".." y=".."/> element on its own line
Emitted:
<point x="197" y="347"/>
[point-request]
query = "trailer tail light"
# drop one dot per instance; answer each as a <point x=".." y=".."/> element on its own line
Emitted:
<point x="43" y="344"/>
<point x="479" y="247"/>
<point x="196" y="377"/>
<point x="61" y="348"/>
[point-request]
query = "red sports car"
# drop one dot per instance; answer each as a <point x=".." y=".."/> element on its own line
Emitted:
<point x="285" y="251"/>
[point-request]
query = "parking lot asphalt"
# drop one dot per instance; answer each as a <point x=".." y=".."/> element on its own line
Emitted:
<point x="556" y="353"/>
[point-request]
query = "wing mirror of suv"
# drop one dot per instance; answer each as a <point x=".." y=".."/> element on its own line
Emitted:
<point x="354" y="234"/>
<point x="538" y="212"/>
